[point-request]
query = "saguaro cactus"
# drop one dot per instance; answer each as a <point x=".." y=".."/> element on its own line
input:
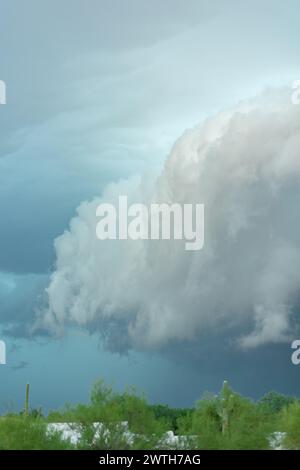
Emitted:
<point x="226" y="406"/>
<point x="27" y="400"/>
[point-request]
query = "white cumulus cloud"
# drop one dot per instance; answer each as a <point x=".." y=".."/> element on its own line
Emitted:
<point x="244" y="165"/>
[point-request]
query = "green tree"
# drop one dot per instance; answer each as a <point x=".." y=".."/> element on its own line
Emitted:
<point x="290" y="423"/>
<point x="275" y="401"/>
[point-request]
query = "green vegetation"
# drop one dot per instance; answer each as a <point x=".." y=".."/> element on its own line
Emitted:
<point x="25" y="433"/>
<point x="229" y="421"/>
<point x="290" y="423"/>
<point x="128" y="421"/>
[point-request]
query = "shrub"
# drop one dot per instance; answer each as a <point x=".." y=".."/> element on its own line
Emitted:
<point x="25" y="433"/>
<point x="290" y="423"/>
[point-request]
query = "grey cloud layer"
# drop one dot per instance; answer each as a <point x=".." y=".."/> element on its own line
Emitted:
<point x="95" y="97"/>
<point x="19" y="294"/>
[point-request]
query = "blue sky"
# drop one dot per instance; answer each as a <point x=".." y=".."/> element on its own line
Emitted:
<point x="99" y="91"/>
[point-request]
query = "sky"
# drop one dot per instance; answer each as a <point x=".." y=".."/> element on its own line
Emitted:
<point x="98" y="93"/>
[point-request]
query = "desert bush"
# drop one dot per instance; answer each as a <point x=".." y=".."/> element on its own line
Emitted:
<point x="25" y="433"/>
<point x="290" y="424"/>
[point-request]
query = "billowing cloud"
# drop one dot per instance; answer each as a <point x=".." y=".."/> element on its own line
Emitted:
<point x="244" y="166"/>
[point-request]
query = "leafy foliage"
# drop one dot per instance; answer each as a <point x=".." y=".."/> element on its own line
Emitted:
<point x="275" y="402"/>
<point x="290" y="424"/>
<point x="25" y="433"/>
